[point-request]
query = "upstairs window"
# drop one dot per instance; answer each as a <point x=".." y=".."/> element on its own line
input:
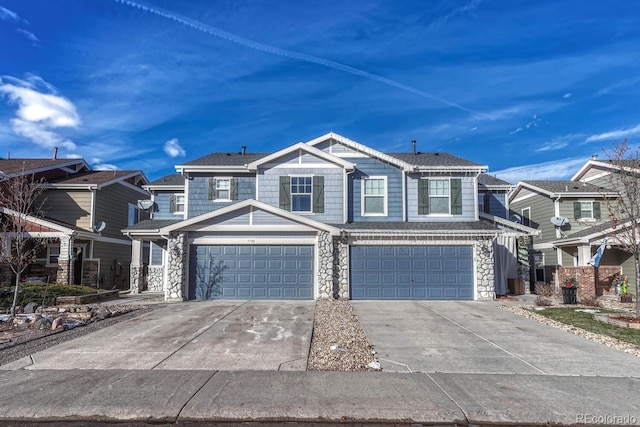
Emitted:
<point x="134" y="215"/>
<point x="440" y="196"/>
<point x="526" y="216"/>
<point x="223" y="189"/>
<point x="374" y="196"/>
<point x="302" y="194"/>
<point x="177" y="203"/>
<point x="586" y="210"/>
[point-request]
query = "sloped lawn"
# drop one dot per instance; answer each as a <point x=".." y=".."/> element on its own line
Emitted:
<point x="38" y="292"/>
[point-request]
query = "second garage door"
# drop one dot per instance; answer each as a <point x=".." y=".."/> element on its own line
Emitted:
<point x="411" y="272"/>
<point x="251" y="272"/>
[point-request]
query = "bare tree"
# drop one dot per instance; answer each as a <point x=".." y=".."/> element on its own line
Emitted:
<point x="20" y="205"/>
<point x="625" y="208"/>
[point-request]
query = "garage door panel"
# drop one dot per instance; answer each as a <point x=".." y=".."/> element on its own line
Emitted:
<point x="411" y="272"/>
<point x="251" y="272"/>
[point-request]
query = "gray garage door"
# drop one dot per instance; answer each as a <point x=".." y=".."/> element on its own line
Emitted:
<point x="251" y="272"/>
<point x="412" y="272"/>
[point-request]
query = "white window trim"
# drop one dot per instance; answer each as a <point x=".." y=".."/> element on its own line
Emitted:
<point x="385" y="196"/>
<point x="440" y="214"/>
<point x="223" y="178"/>
<point x="47" y="263"/>
<point x="184" y="203"/>
<point x="587" y="219"/>
<point x="310" y="211"/>
<point x="524" y="217"/>
<point x="136" y="209"/>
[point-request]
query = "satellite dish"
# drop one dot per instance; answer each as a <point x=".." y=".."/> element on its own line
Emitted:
<point x="516" y="218"/>
<point x="145" y="204"/>
<point x="99" y="226"/>
<point x="559" y="221"/>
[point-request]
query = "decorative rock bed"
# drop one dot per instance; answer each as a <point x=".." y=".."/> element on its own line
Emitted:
<point x="618" y="319"/>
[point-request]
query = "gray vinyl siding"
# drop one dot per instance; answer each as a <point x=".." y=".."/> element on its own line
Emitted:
<point x="234" y="218"/>
<point x="110" y="254"/>
<point x="542" y="209"/>
<point x="367" y="167"/>
<point x="244" y="235"/>
<point x="112" y="207"/>
<point x="566" y="210"/>
<point x="198" y="193"/>
<point x="269" y="191"/>
<point x="469" y="200"/>
<point x="299" y="157"/>
<point x="72" y="207"/>
<point x="334" y="147"/>
<point x="266" y="218"/>
<point x="163" y="210"/>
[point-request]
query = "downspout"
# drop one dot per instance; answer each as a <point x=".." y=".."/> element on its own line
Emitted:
<point x="404" y="192"/>
<point x="345" y="210"/>
<point x="556" y="210"/>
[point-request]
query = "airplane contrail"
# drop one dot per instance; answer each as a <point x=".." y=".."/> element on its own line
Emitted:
<point x="225" y="35"/>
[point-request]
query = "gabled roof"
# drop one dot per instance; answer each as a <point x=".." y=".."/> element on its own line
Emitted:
<point x="436" y="160"/>
<point x="97" y="179"/>
<point x="300" y="146"/>
<point x="14" y="167"/>
<point x="508" y="223"/>
<point x="606" y="164"/>
<point x="565" y="188"/>
<point x="220" y="161"/>
<point x="163" y="228"/>
<point x="48" y="225"/>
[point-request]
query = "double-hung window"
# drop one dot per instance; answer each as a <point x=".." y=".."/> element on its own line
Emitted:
<point x="374" y="196"/>
<point x="301" y="193"/>
<point x="223" y="189"/>
<point x="440" y="196"/>
<point x="586" y="210"/>
<point x="177" y="203"/>
<point x="133" y="215"/>
<point x="53" y="252"/>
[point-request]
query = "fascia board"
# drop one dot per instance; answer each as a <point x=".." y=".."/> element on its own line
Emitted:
<point x="301" y="146"/>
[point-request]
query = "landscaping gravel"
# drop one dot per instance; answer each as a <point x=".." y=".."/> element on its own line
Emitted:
<point x="338" y="342"/>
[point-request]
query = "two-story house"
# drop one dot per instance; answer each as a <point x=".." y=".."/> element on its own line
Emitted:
<point x="83" y="212"/>
<point x="573" y="220"/>
<point x="326" y="218"/>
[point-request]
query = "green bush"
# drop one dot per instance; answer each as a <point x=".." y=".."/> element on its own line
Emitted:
<point x="35" y="292"/>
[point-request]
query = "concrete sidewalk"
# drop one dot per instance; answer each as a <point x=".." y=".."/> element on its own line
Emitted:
<point x="165" y="396"/>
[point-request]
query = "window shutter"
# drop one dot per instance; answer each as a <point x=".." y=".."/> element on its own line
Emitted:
<point x="285" y="193"/>
<point x="423" y="197"/>
<point x="318" y="194"/>
<point x="487" y="202"/>
<point x="456" y="196"/>
<point x="234" y="189"/>
<point x="172" y="203"/>
<point x="596" y="210"/>
<point x="212" y="189"/>
<point x="576" y="210"/>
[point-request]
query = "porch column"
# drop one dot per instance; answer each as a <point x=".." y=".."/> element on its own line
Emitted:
<point x="485" y="274"/>
<point x="325" y="265"/>
<point x="136" y="266"/>
<point x="341" y="269"/>
<point x="65" y="266"/>
<point x="176" y="254"/>
<point x="584" y="254"/>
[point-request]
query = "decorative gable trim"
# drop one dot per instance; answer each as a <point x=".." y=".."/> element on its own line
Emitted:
<point x="253" y="204"/>
<point x="370" y="152"/>
<point x="303" y="147"/>
<point x="597" y="163"/>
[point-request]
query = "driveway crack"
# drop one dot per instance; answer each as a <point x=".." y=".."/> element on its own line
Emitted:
<point x="464" y="413"/>
<point x="484" y="339"/>
<point x="198" y="333"/>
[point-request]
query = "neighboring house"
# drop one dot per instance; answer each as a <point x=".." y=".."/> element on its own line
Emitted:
<point x="83" y="213"/>
<point x="572" y="218"/>
<point x="493" y="195"/>
<point x="327" y="218"/>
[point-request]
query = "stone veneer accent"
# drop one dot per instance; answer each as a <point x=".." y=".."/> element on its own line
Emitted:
<point x="340" y="269"/>
<point x="65" y="266"/>
<point x="485" y="275"/>
<point x="325" y="265"/>
<point x="136" y="279"/>
<point x="154" y="279"/>
<point x="175" y="267"/>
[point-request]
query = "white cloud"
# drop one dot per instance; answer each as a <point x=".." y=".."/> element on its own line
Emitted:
<point x="559" y="169"/>
<point x="39" y="113"/>
<point x="567" y="95"/>
<point x="615" y="134"/>
<point x="29" y="35"/>
<point x="558" y="143"/>
<point x="516" y="131"/>
<point x="105" y="167"/>
<point x="173" y="148"/>
<point x="8" y="15"/>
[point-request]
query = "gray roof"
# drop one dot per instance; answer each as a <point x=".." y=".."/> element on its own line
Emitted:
<point x="560" y="186"/>
<point x="433" y="159"/>
<point x="94" y="177"/>
<point x="226" y="159"/>
<point x="10" y="166"/>
<point x="151" y="224"/>
<point x="481" y="225"/>
<point x="171" y="179"/>
<point x="489" y="180"/>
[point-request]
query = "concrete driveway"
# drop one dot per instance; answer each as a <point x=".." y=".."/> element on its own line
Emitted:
<point x="210" y="335"/>
<point x="479" y="337"/>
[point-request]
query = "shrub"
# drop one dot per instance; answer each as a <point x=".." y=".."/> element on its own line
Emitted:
<point x="37" y="292"/>
<point x="545" y="290"/>
<point x="590" y="301"/>
<point x="543" y="301"/>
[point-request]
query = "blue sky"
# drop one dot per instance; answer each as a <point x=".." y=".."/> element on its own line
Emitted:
<point x="530" y="88"/>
